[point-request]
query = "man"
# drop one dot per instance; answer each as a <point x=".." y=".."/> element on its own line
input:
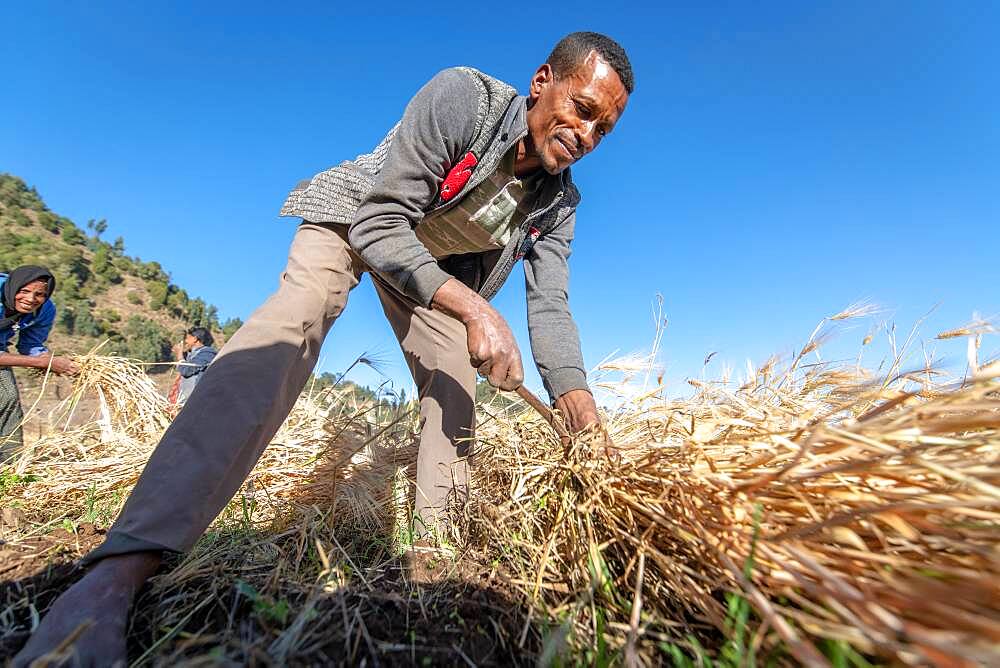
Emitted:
<point x="471" y="180"/>
<point x="193" y="357"/>
<point x="28" y="314"/>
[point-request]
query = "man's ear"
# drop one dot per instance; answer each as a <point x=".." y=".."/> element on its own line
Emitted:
<point x="543" y="77"/>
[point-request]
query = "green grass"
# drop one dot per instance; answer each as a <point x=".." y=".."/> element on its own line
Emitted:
<point x="842" y="655"/>
<point x="265" y="607"/>
<point x="9" y="480"/>
<point x="738" y="649"/>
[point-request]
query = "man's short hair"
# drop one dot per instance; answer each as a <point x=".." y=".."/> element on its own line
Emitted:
<point x="572" y="50"/>
<point x="203" y="335"/>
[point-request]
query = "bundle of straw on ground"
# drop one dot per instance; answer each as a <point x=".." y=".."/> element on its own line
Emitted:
<point x="811" y="515"/>
<point x="815" y="514"/>
<point x="330" y="450"/>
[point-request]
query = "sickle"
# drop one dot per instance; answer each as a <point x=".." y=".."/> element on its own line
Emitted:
<point x="542" y="410"/>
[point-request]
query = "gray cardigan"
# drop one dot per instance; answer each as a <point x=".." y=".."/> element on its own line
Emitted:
<point x="192" y="369"/>
<point x="385" y="194"/>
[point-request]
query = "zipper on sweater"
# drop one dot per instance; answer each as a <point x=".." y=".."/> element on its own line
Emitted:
<point x="506" y="262"/>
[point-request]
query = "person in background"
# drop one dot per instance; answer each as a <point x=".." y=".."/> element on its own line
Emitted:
<point x="194" y="356"/>
<point x="27" y="315"/>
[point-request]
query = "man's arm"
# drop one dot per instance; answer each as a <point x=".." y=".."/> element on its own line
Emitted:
<point x="60" y="365"/>
<point x="436" y="128"/>
<point x="25" y="361"/>
<point x="555" y="340"/>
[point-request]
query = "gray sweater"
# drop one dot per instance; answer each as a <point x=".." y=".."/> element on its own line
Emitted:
<point x="192" y="369"/>
<point x="385" y="194"/>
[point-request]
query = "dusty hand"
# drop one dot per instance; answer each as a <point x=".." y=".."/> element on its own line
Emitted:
<point x="492" y="347"/>
<point x="63" y="366"/>
<point x="578" y="410"/>
<point x="493" y="350"/>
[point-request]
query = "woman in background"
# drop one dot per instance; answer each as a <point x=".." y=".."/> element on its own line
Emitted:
<point x="194" y="357"/>
<point x="27" y="315"/>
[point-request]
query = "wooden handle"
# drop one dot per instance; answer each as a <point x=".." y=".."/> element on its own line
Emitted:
<point x="542" y="410"/>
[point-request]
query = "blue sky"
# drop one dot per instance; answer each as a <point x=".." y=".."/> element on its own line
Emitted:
<point x="777" y="161"/>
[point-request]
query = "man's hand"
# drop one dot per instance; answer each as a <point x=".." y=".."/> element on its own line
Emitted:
<point x="492" y="347"/>
<point x="578" y="410"/>
<point x="493" y="350"/>
<point x="178" y="351"/>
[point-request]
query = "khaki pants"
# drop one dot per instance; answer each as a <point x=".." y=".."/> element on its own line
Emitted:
<point x="249" y="389"/>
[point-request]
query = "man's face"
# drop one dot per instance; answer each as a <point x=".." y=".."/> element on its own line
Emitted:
<point x="31" y="296"/>
<point x="190" y="342"/>
<point x="568" y="118"/>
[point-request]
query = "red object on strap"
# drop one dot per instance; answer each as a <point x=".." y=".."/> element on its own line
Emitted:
<point x="175" y="390"/>
<point x="458" y="176"/>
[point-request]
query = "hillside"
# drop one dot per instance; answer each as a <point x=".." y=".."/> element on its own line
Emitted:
<point x="103" y="293"/>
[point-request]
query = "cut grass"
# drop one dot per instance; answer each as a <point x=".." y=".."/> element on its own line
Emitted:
<point x="809" y="513"/>
<point x="867" y="487"/>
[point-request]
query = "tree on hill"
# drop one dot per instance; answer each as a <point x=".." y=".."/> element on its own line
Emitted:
<point x="99" y="227"/>
<point x="15" y="192"/>
<point x="230" y="326"/>
<point x="146" y="340"/>
<point x="73" y="235"/>
<point x="362" y="394"/>
<point x="77" y="317"/>
<point x="13" y="216"/>
<point x="102" y="266"/>
<point x="49" y="222"/>
<point x="158" y="291"/>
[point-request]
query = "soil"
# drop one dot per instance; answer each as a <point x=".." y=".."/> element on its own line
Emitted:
<point x="455" y="612"/>
<point x="466" y="616"/>
<point x="34" y="571"/>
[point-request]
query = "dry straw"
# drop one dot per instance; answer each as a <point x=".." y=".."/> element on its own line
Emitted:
<point x="849" y="511"/>
<point x="844" y="507"/>
<point x="330" y="448"/>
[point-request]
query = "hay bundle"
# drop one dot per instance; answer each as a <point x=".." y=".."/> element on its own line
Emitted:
<point x="330" y="450"/>
<point x="104" y="455"/>
<point x="336" y="453"/>
<point x="853" y="516"/>
<point x="130" y="404"/>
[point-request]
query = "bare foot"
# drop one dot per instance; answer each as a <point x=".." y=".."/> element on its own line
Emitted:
<point x="86" y="625"/>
